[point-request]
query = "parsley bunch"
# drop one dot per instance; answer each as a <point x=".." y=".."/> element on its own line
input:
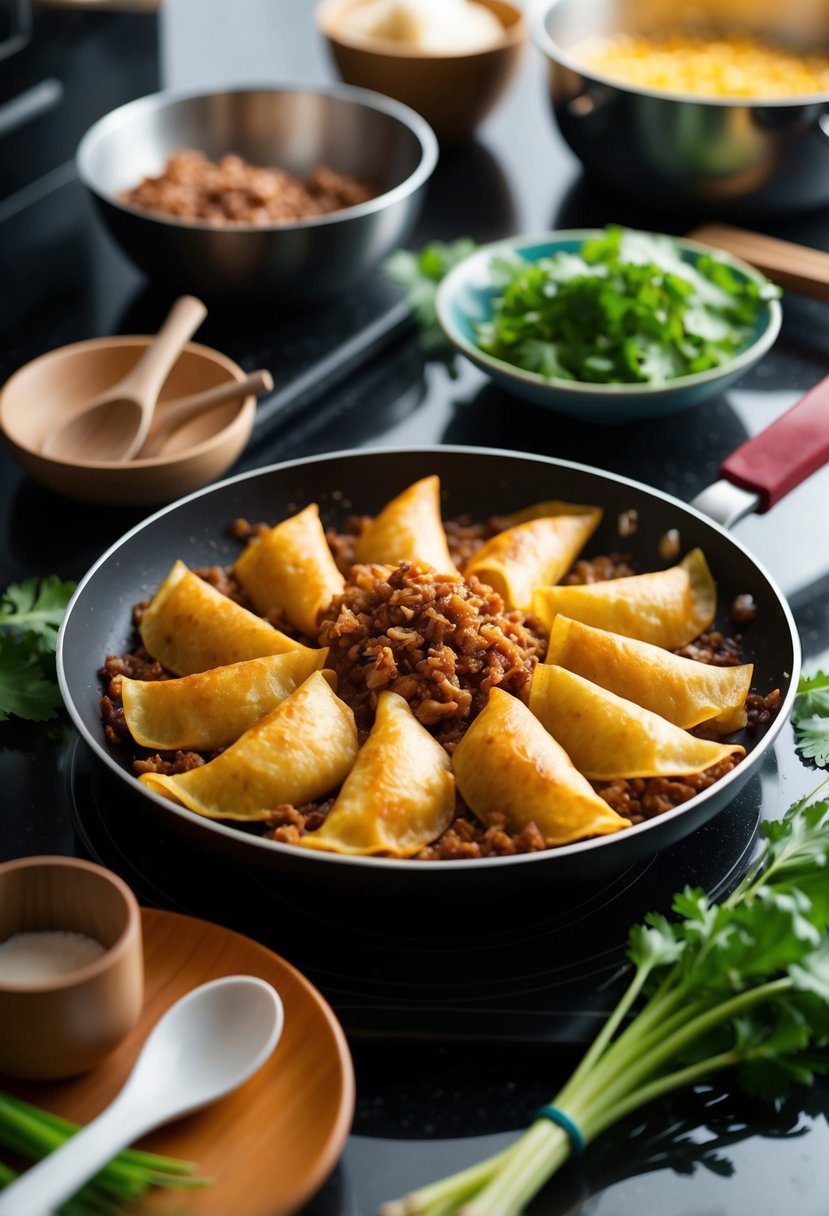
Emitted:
<point x="625" y="309"/>
<point x="742" y="985"/>
<point x="30" y="615"/>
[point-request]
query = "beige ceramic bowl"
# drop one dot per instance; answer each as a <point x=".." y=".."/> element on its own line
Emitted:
<point x="40" y="395"/>
<point x="62" y="1026"/>
<point x="452" y="92"/>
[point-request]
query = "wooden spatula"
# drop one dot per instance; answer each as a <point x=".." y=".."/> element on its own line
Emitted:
<point x="792" y="267"/>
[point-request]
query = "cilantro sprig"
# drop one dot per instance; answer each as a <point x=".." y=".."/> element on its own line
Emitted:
<point x="740" y="985"/>
<point x="810" y="717"/>
<point x="420" y="274"/>
<point x="30" y="616"/>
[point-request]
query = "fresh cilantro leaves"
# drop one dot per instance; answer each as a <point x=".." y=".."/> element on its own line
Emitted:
<point x="742" y="984"/>
<point x="30" y="615"/>
<point x="625" y="309"/>
<point x="810" y="718"/>
<point x="419" y="274"/>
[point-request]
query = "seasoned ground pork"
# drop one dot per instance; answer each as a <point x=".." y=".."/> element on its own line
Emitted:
<point x="232" y="191"/>
<point x="441" y="643"/>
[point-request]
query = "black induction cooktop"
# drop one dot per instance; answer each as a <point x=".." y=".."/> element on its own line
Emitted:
<point x="540" y="968"/>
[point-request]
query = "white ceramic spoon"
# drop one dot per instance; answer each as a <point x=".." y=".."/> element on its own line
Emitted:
<point x="204" y="1046"/>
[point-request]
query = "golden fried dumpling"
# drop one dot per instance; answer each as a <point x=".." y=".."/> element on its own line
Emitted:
<point x="291" y="569"/>
<point x="213" y="708"/>
<point x="190" y="627"/>
<point x="540" y="545"/>
<point x="607" y="737"/>
<point x="408" y="529"/>
<point x="667" y="607"/>
<point x="400" y="794"/>
<point x="682" y="690"/>
<point x="507" y="764"/>
<point x="301" y="750"/>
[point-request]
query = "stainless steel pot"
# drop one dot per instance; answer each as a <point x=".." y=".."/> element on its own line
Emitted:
<point x="731" y="155"/>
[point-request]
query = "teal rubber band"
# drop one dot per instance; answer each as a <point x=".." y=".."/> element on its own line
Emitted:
<point x="567" y="1124"/>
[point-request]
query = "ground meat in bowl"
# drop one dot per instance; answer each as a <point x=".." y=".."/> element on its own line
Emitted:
<point x="232" y="191"/>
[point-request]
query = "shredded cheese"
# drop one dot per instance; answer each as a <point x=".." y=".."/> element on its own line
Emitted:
<point x="727" y="65"/>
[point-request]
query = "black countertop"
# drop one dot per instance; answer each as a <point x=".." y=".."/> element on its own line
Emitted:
<point x="428" y="1105"/>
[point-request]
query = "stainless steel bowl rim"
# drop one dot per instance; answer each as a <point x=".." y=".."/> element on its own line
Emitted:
<point x="537" y="22"/>
<point x="364" y="97"/>
<point x="515" y="243"/>
<point x="400" y="864"/>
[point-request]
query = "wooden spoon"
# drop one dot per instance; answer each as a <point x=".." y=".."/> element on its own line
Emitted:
<point x="115" y="423"/>
<point x="793" y="267"/>
<point x="171" y="415"/>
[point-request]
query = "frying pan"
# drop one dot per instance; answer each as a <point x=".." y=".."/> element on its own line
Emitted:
<point x="480" y="482"/>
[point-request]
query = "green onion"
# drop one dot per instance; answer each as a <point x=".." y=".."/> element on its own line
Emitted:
<point x="32" y="1133"/>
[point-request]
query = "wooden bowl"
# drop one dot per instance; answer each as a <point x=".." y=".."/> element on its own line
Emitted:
<point x="40" y="394"/>
<point x="453" y="92"/>
<point x="61" y="1026"/>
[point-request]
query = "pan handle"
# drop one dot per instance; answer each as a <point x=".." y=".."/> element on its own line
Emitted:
<point x="777" y="460"/>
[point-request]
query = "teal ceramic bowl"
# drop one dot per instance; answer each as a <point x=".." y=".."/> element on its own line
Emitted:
<point x="465" y="296"/>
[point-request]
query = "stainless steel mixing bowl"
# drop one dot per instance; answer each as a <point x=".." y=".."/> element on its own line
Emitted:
<point x="350" y="130"/>
<point x="727" y="155"/>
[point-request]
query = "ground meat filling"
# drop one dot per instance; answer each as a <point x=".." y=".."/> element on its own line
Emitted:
<point x="442" y="643"/>
<point x="233" y="191"/>
<point x="641" y="798"/>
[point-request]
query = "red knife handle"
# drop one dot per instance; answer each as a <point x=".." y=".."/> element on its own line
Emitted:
<point x="785" y="453"/>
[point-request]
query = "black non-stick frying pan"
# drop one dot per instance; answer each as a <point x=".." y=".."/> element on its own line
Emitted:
<point x="479" y="482"/>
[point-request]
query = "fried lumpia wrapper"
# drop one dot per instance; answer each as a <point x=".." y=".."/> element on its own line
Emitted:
<point x="408" y="529"/>
<point x="536" y="550"/>
<point x="290" y="569"/>
<point x="607" y="736"/>
<point x="190" y="627"/>
<point x="400" y="794"/>
<point x="300" y="751"/>
<point x="508" y="764"/>
<point x="682" y="690"/>
<point x="213" y="708"/>
<point x="667" y="608"/>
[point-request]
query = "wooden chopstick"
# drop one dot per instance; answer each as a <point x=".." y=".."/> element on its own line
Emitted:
<point x="793" y="267"/>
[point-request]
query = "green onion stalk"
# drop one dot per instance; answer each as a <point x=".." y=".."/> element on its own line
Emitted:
<point x="32" y="1133"/>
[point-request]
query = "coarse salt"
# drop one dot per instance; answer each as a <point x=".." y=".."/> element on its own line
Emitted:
<point x="27" y="958"/>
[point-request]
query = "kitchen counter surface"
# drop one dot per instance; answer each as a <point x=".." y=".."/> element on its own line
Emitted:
<point x="430" y="1103"/>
